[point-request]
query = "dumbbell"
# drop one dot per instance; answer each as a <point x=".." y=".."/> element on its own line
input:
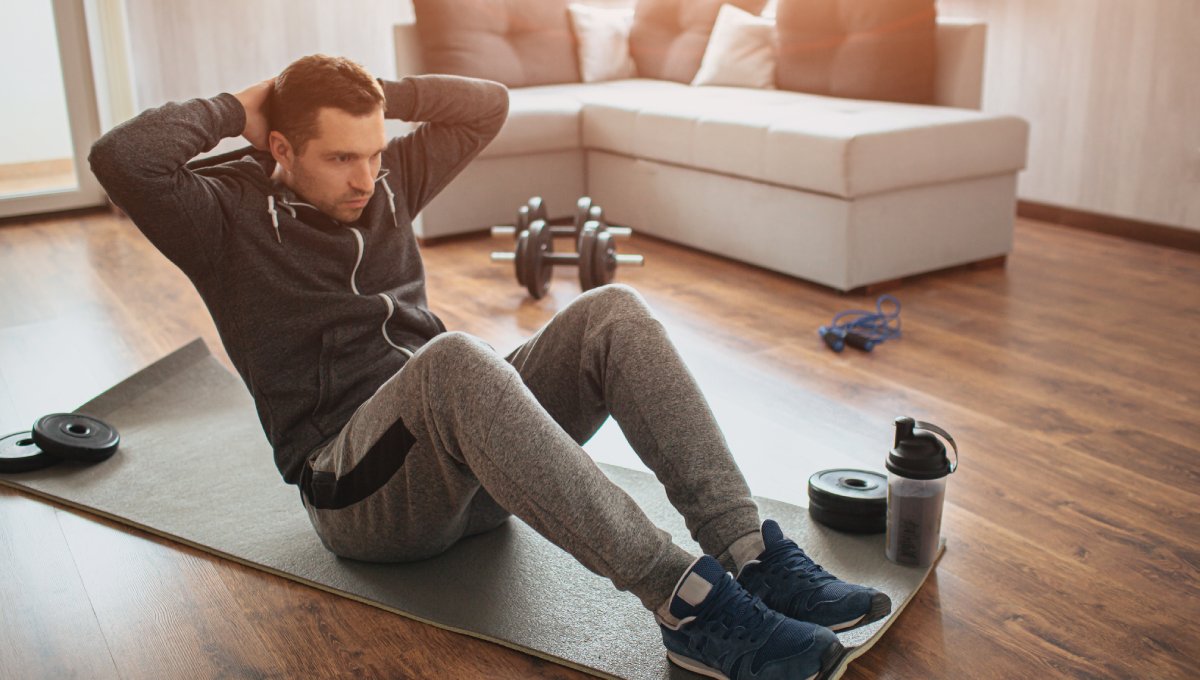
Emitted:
<point x="597" y="245"/>
<point x="586" y="211"/>
<point x="535" y="209"/>
<point x="534" y="258"/>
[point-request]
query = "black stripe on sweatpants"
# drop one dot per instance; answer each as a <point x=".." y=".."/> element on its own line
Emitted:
<point x="326" y="491"/>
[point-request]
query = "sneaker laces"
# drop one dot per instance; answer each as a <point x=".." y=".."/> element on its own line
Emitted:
<point x="786" y="558"/>
<point x="738" y="609"/>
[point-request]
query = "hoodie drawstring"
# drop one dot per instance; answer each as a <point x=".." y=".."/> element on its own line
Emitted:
<point x="391" y="204"/>
<point x="283" y="204"/>
<point x="275" y="214"/>
<point x="290" y="208"/>
<point x="391" y="196"/>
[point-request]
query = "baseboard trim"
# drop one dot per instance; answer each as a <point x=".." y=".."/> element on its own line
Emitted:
<point x="873" y="289"/>
<point x="37" y="218"/>
<point x="1147" y="232"/>
<point x="426" y="241"/>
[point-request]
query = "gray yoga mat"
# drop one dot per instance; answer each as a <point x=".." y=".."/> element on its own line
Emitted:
<point x="195" y="467"/>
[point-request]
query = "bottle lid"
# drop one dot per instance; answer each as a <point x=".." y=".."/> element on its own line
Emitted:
<point x="918" y="453"/>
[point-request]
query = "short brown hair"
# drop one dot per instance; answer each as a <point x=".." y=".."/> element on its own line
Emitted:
<point x="317" y="81"/>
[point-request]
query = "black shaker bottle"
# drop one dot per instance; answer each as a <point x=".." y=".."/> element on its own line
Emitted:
<point x="917" y="468"/>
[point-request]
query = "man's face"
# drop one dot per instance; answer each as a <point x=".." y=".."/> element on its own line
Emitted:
<point x="336" y="170"/>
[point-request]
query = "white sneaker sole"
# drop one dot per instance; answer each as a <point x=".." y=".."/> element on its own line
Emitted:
<point x="847" y="624"/>
<point x="697" y="667"/>
<point x="881" y="606"/>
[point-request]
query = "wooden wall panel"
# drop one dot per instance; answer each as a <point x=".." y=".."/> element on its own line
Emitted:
<point x="1110" y="91"/>
<point x="187" y="48"/>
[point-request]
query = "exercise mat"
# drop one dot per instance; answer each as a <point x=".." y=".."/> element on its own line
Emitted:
<point x="195" y="467"/>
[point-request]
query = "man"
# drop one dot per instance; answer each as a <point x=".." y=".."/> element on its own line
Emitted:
<point x="403" y="437"/>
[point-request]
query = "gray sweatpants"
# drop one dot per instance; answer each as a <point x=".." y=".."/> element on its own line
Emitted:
<point x="482" y="436"/>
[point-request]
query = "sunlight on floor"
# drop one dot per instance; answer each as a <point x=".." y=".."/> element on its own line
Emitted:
<point x="37" y="177"/>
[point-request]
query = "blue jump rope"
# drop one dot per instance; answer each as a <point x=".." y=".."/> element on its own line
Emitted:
<point x="862" y="329"/>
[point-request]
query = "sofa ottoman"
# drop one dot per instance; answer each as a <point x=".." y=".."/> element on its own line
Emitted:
<point x="842" y="192"/>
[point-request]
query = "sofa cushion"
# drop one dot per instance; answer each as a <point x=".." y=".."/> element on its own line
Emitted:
<point x="515" y="42"/>
<point x="740" y="52"/>
<point x="602" y="34"/>
<point x="839" y="147"/>
<point x="861" y="49"/>
<point x="668" y="37"/>
<point x="540" y="119"/>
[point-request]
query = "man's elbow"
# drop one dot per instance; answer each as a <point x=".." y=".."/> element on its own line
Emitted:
<point x="498" y="111"/>
<point x="102" y="159"/>
<point x="109" y="161"/>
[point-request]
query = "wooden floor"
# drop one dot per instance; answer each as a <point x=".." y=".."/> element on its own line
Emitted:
<point x="1071" y="379"/>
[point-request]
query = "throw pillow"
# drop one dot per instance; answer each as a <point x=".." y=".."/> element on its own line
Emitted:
<point x="516" y="42"/>
<point x="668" y="37"/>
<point x="602" y="34"/>
<point x="740" y="53"/>
<point x="862" y="49"/>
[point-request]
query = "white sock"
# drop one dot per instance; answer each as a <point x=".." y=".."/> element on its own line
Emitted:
<point x="691" y="588"/>
<point x="664" y="615"/>
<point x="747" y="549"/>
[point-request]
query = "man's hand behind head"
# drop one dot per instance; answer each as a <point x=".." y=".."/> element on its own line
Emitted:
<point x="254" y="99"/>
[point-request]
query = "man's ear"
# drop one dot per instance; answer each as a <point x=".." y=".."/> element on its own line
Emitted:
<point x="281" y="149"/>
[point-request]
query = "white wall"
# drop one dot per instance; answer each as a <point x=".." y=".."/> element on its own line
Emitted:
<point x="34" y="113"/>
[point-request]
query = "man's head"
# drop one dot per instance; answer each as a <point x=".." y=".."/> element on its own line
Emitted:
<point x="327" y="134"/>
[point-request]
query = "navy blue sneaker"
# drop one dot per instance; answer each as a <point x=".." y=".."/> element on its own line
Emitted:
<point x="793" y="585"/>
<point x="725" y="632"/>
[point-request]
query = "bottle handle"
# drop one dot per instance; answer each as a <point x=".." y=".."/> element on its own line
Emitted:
<point x="945" y="435"/>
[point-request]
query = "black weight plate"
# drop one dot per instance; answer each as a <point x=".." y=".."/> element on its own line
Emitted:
<point x="604" y="259"/>
<point x="537" y="210"/>
<point x="855" y="487"/>
<point x="519" y="260"/>
<point x="19" y="453"/>
<point x="849" y="500"/>
<point x="594" y="214"/>
<point x="582" y="207"/>
<point x="522" y="220"/>
<point x="587" y="243"/>
<point x="74" y="436"/>
<point x="851" y="524"/>
<point x="538" y="267"/>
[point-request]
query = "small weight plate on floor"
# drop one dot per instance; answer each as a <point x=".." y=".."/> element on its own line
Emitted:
<point x="19" y="453"/>
<point x="848" y="500"/>
<point x="74" y="436"/>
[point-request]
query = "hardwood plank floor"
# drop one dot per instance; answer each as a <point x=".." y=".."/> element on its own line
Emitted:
<point x="1069" y="378"/>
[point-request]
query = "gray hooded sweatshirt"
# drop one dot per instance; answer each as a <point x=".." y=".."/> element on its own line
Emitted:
<point x="315" y="314"/>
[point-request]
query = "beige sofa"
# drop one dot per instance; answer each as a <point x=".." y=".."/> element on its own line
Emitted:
<point x="841" y="192"/>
